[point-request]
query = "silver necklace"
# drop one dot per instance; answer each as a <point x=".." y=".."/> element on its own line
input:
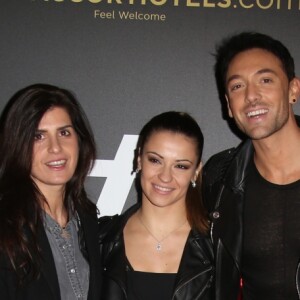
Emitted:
<point x="158" y="246"/>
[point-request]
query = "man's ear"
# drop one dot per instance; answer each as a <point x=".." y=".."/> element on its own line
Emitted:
<point x="228" y="107"/>
<point x="294" y="90"/>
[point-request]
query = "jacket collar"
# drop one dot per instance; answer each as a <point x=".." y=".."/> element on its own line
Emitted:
<point x="236" y="173"/>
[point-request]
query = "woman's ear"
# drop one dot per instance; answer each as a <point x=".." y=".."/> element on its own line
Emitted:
<point x="198" y="170"/>
<point x="139" y="167"/>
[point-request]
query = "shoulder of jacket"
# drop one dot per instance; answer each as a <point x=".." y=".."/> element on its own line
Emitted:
<point x="110" y="228"/>
<point x="216" y="166"/>
<point x="106" y="224"/>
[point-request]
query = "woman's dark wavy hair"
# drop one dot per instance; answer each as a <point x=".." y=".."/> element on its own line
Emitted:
<point x="20" y="199"/>
<point x="235" y="44"/>
<point x="182" y="123"/>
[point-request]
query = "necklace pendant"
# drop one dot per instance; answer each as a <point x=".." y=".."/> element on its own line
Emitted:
<point x="158" y="247"/>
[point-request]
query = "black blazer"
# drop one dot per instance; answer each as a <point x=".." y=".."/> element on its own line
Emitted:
<point x="46" y="287"/>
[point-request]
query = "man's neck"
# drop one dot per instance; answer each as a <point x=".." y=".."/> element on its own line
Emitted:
<point x="277" y="157"/>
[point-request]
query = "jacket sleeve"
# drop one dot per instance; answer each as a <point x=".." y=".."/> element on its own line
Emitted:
<point x="4" y="289"/>
<point x="9" y="287"/>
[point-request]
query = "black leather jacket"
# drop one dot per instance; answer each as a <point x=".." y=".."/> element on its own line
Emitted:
<point x="224" y="185"/>
<point x="195" y="275"/>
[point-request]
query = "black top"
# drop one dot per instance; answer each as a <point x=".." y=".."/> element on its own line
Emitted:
<point x="271" y="248"/>
<point x="150" y="286"/>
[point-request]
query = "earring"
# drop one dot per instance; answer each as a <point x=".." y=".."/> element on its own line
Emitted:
<point x="294" y="100"/>
<point x="137" y="170"/>
<point x="193" y="183"/>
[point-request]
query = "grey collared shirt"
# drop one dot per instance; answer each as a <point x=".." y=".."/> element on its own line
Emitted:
<point x="71" y="267"/>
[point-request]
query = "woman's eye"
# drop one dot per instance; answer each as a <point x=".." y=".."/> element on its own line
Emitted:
<point x="153" y="160"/>
<point x="65" y="133"/>
<point x="183" y="167"/>
<point x="38" y="136"/>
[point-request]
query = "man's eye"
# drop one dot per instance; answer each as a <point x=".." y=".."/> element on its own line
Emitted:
<point x="267" y="80"/>
<point x="235" y="87"/>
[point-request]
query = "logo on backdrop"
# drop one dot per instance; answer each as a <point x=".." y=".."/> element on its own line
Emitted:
<point x="203" y="4"/>
<point x="119" y="179"/>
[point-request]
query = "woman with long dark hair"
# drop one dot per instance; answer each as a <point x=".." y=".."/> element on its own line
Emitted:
<point x="48" y="226"/>
<point x="159" y="248"/>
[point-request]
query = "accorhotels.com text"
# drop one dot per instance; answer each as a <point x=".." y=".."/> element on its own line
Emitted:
<point x="225" y="4"/>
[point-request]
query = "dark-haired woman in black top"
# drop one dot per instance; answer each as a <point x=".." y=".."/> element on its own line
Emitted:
<point x="159" y="248"/>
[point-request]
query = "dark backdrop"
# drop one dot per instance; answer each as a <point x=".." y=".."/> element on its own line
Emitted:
<point x="125" y="68"/>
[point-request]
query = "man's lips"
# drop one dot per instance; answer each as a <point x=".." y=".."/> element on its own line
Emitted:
<point x="257" y="113"/>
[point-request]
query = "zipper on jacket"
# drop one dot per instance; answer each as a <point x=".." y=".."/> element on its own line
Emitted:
<point x="214" y="212"/>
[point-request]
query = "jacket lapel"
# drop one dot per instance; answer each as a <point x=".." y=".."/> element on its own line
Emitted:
<point x="195" y="259"/>
<point x="228" y="228"/>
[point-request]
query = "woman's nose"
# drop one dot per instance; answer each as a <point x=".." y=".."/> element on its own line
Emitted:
<point x="166" y="174"/>
<point x="54" y="145"/>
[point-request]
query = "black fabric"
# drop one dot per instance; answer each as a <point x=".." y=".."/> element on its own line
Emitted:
<point x="192" y="282"/>
<point x="224" y="183"/>
<point x="271" y="247"/>
<point x="223" y="187"/>
<point x="46" y="287"/>
<point x="149" y="286"/>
